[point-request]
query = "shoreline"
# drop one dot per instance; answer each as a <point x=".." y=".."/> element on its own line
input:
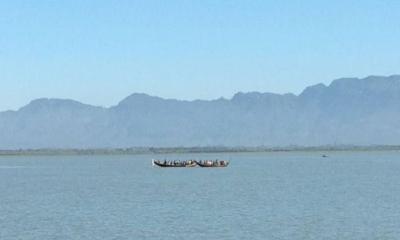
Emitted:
<point x="186" y="150"/>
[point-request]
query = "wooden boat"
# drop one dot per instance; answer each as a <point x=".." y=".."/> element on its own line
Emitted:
<point x="174" y="164"/>
<point x="217" y="163"/>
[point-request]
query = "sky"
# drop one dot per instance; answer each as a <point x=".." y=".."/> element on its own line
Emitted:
<point x="99" y="52"/>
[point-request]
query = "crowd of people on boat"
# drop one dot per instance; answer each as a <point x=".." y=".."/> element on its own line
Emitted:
<point x="177" y="162"/>
<point x="191" y="163"/>
<point x="215" y="162"/>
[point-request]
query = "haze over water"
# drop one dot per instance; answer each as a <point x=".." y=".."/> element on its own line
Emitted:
<point x="296" y="195"/>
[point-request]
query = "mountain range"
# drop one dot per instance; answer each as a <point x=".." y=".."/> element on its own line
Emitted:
<point x="349" y="111"/>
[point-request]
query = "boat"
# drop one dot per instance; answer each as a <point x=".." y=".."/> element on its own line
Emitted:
<point x="209" y="163"/>
<point x="189" y="163"/>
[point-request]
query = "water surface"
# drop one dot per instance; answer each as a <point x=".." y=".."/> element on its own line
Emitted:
<point x="296" y="195"/>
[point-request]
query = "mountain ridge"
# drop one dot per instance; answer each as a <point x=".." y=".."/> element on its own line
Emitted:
<point x="347" y="111"/>
<point x="318" y="86"/>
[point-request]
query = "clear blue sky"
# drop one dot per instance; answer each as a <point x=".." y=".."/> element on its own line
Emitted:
<point x="98" y="52"/>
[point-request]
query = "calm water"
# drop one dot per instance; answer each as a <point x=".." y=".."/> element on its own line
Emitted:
<point x="349" y="195"/>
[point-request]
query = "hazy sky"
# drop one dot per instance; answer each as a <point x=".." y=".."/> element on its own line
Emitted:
<point x="99" y="52"/>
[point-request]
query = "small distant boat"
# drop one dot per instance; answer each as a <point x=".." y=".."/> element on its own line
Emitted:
<point x="324" y="156"/>
<point x="216" y="163"/>
<point x="164" y="163"/>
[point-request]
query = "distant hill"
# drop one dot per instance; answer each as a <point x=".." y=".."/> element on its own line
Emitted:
<point x="348" y="111"/>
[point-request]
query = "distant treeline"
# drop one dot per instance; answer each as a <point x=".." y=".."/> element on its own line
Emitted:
<point x="171" y="150"/>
